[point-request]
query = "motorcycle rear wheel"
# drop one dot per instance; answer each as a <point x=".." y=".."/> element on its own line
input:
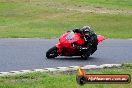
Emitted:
<point x="52" y="52"/>
<point x="86" y="55"/>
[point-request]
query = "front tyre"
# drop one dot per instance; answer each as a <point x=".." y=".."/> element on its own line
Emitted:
<point x="52" y="52"/>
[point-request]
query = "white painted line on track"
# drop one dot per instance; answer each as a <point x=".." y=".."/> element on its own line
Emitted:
<point x="73" y="68"/>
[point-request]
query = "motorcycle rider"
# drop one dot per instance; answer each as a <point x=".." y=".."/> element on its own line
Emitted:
<point x="90" y="38"/>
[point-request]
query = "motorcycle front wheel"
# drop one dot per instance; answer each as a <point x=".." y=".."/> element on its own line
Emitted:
<point x="52" y="52"/>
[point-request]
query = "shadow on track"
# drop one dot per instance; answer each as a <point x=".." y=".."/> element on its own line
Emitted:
<point x="73" y="58"/>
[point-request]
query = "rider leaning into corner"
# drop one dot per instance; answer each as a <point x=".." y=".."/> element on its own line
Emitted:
<point x="88" y="48"/>
<point x="90" y="38"/>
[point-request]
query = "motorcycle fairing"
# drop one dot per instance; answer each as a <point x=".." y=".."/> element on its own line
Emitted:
<point x="100" y="38"/>
<point x="65" y="43"/>
<point x="68" y="38"/>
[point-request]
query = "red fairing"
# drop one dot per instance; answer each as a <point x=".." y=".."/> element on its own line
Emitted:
<point x="69" y="45"/>
<point x="68" y="38"/>
<point x="59" y="45"/>
<point x="100" y="38"/>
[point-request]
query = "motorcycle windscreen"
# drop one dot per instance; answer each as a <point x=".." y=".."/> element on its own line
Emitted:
<point x="75" y="37"/>
<point x="69" y="38"/>
<point x="66" y="39"/>
<point x="100" y="38"/>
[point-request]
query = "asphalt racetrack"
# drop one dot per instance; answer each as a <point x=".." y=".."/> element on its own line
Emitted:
<point x="22" y="54"/>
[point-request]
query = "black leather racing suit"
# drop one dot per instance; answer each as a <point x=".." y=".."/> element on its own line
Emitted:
<point x="91" y="42"/>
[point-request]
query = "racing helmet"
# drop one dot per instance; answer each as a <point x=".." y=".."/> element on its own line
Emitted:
<point x="86" y="30"/>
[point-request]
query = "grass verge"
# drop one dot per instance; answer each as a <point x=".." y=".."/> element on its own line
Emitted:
<point x="46" y="80"/>
<point x="127" y="65"/>
<point x="49" y="18"/>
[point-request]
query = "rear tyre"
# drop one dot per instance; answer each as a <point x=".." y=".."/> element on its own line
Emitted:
<point x="52" y="52"/>
<point x="86" y="55"/>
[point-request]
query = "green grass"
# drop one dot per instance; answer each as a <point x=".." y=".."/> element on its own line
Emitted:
<point x="127" y="65"/>
<point x="101" y="3"/>
<point x="51" y="18"/>
<point x="45" y="80"/>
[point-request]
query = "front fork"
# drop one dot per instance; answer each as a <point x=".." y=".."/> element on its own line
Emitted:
<point x="59" y="49"/>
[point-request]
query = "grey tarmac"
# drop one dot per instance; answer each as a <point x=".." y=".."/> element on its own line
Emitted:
<point x="25" y="53"/>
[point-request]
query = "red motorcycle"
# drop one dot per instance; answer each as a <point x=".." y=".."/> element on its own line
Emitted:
<point x="67" y="46"/>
